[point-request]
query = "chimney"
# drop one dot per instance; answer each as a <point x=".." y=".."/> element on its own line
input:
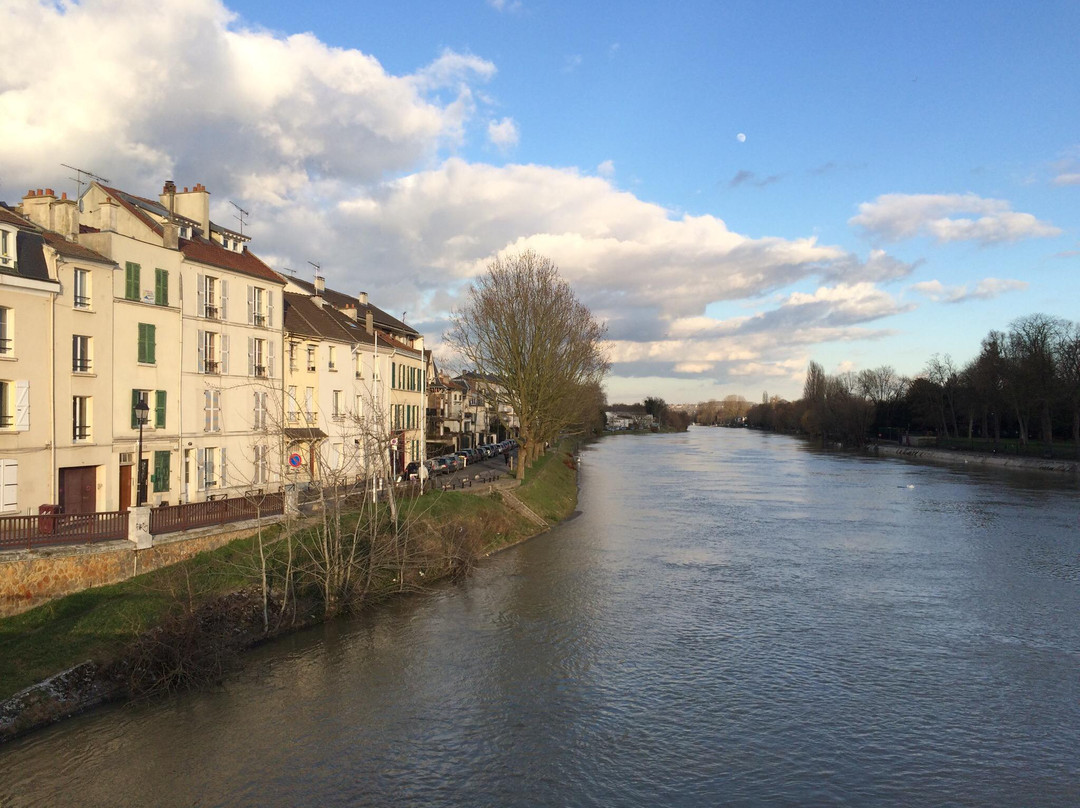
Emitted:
<point x="320" y="285"/>
<point x="362" y="297"/>
<point x="37" y="207"/>
<point x="369" y="322"/>
<point x="168" y="197"/>
<point x="194" y="204"/>
<point x="170" y="237"/>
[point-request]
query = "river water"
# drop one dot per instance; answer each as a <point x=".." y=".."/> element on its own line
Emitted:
<point x="732" y="619"/>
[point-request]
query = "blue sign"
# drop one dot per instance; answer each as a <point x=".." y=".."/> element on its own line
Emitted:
<point x="295" y="460"/>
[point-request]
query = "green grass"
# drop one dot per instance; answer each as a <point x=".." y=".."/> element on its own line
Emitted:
<point x="99" y="623"/>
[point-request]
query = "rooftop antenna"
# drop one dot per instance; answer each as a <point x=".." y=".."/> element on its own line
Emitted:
<point x="317" y="268"/>
<point x="239" y="216"/>
<point x="290" y="270"/>
<point x="403" y="315"/>
<point x="78" y="178"/>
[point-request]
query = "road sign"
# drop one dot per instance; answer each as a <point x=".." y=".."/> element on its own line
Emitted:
<point x="295" y="460"/>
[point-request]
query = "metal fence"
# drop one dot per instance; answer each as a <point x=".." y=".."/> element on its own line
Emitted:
<point x="173" y="518"/>
<point x="44" y="530"/>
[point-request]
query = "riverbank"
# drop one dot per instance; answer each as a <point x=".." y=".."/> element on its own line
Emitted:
<point x="959" y="457"/>
<point x="85" y="649"/>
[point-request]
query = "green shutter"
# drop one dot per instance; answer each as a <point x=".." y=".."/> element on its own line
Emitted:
<point x="134" y="401"/>
<point x="131" y="281"/>
<point x="161" y="471"/>
<point x="144" y="343"/>
<point x="159" y="409"/>
<point x="393" y="374"/>
<point x="161" y="287"/>
<point x="151" y="344"/>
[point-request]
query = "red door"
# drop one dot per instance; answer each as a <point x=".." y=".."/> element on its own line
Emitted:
<point x="125" y="487"/>
<point x="78" y="489"/>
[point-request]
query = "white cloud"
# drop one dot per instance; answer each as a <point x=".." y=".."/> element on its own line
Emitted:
<point x="503" y="134"/>
<point x="986" y="289"/>
<point x="606" y="169"/>
<point x="1067" y="178"/>
<point x="572" y="63"/>
<point x="895" y="217"/>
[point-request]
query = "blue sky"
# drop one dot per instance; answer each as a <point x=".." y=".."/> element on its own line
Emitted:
<point x="737" y="188"/>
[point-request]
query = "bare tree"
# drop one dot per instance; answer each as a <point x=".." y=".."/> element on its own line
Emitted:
<point x="522" y="325"/>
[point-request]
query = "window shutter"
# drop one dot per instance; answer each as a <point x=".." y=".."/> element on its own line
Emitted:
<point x="224" y="299"/>
<point x="269" y="309"/>
<point x="222" y="468"/>
<point x="207" y="410"/>
<point x="217" y="410"/>
<point x="9" y="485"/>
<point x="141" y="355"/>
<point x="161" y="471"/>
<point x="393" y="373"/>
<point x="200" y="299"/>
<point x="159" y="409"/>
<point x="251" y="305"/>
<point x="200" y="469"/>
<point x="224" y="354"/>
<point x="200" y="346"/>
<point x="134" y="401"/>
<point x="251" y="356"/>
<point x="131" y="281"/>
<point x="270" y="358"/>
<point x="151" y="343"/>
<point x="22" y="406"/>
<point x="161" y="287"/>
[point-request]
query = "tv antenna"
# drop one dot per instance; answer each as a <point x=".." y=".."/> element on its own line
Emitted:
<point x="79" y="181"/>
<point x="290" y="270"/>
<point x="239" y="216"/>
<point x="317" y="268"/>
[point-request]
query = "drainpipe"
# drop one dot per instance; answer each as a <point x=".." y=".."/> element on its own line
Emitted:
<point x="52" y="393"/>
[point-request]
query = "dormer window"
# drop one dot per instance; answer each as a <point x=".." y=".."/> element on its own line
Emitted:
<point x="185" y="231"/>
<point x="7" y="248"/>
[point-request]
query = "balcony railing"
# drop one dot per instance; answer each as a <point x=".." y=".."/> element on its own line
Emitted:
<point x="260" y="370"/>
<point x="7" y="421"/>
<point x="80" y="366"/>
<point x="260" y="319"/>
<point x="213" y="367"/>
<point x="5" y="345"/>
<point x="212" y="312"/>
<point x="80" y="432"/>
<point x="82" y="302"/>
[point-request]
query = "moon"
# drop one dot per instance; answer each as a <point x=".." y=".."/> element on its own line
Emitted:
<point x="740" y="137"/>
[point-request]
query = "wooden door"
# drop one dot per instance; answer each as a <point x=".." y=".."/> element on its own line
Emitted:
<point x="125" y="487"/>
<point x="78" y="489"/>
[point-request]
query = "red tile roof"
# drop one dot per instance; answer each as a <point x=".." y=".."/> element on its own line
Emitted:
<point x="120" y="197"/>
<point x="70" y="249"/>
<point x="213" y="254"/>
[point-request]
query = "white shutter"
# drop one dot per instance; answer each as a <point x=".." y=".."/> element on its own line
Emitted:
<point x="200" y="469"/>
<point x="200" y="346"/>
<point x="224" y="354"/>
<point x="251" y="356"/>
<point x="200" y="297"/>
<point x="251" y="305"/>
<point x="224" y="299"/>
<point x="22" y="406"/>
<point x="215" y="397"/>
<point x="269" y="308"/>
<point x="9" y="485"/>
<point x="207" y="410"/>
<point x="221" y="469"/>
<point x="270" y="358"/>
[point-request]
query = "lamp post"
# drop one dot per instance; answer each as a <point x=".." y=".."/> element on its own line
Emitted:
<point x="142" y="415"/>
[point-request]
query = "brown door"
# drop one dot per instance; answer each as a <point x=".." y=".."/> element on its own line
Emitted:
<point x="125" y="487"/>
<point x="78" y="489"/>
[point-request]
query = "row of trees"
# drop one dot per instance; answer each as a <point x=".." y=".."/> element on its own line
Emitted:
<point x="1024" y="383"/>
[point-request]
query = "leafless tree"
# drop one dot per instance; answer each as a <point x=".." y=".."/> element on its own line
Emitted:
<point x="523" y="325"/>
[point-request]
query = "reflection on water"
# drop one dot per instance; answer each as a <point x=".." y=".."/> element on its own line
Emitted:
<point x="734" y="619"/>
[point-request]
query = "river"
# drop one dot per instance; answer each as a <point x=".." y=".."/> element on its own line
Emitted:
<point x="732" y="619"/>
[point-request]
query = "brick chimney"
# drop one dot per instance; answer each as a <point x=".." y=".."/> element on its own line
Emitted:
<point x="193" y="204"/>
<point x="46" y="211"/>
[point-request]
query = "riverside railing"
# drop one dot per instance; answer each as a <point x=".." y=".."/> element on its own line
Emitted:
<point x="174" y="518"/>
<point x="44" y="530"/>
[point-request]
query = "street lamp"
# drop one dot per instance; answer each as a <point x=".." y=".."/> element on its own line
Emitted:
<point x="142" y="415"/>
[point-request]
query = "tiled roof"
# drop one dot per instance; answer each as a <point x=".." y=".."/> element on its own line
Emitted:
<point x="132" y="205"/>
<point x="306" y="318"/>
<point x="8" y="216"/>
<point x="70" y="249"/>
<point x="340" y="300"/>
<point x="213" y="254"/>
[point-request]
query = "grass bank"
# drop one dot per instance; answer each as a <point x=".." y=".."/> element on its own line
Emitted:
<point x="447" y="532"/>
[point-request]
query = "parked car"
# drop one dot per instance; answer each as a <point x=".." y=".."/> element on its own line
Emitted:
<point x="452" y="461"/>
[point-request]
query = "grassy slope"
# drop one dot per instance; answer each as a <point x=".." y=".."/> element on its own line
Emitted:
<point x="99" y="623"/>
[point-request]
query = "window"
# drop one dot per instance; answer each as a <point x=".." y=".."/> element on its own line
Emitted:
<point x="292" y="356"/>
<point x="15" y="405"/>
<point x="260" y="411"/>
<point x="7" y="331"/>
<point x="82" y="289"/>
<point x="359" y="406"/>
<point x="311" y="357"/>
<point x="332" y="361"/>
<point x="339" y="413"/>
<point x="212" y="297"/>
<point x="210" y="467"/>
<point x="213" y="351"/>
<point x="136" y="397"/>
<point x="131" y="281"/>
<point x="7" y="248"/>
<point x="212" y="411"/>
<point x="309" y="403"/>
<point x="261" y="474"/>
<point x="260" y="358"/>
<point x="147" y="343"/>
<point x="260" y="307"/>
<point x="359" y="367"/>
<point x="80" y="354"/>
<point x="293" y="403"/>
<point x="9" y="485"/>
<point x="161" y="287"/>
<point x="160" y="477"/>
<point x="80" y="418"/>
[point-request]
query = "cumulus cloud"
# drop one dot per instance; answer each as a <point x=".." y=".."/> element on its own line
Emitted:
<point x="503" y="134"/>
<point x="895" y="217"/>
<point x="174" y="82"/>
<point x="986" y="289"/>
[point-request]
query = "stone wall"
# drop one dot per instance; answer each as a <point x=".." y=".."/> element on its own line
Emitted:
<point x="29" y="578"/>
